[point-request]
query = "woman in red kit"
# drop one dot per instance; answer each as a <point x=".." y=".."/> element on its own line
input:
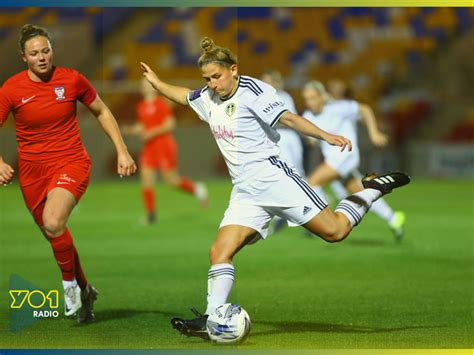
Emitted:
<point x="155" y="123"/>
<point x="54" y="167"/>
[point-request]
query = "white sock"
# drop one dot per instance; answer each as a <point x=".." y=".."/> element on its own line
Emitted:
<point x="355" y="206"/>
<point x="67" y="284"/>
<point x="339" y="190"/>
<point x="383" y="210"/>
<point x="219" y="283"/>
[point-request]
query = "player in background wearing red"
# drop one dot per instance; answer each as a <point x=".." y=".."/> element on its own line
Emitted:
<point x="54" y="167"/>
<point x="155" y="123"/>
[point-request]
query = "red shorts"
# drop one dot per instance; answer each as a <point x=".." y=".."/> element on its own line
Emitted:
<point x="37" y="179"/>
<point x="161" y="156"/>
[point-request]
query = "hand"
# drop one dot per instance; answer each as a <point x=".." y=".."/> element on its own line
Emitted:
<point x="125" y="165"/>
<point x="132" y="129"/>
<point x="146" y="136"/>
<point x="149" y="74"/>
<point x="6" y="173"/>
<point x="379" y="139"/>
<point x="339" y="141"/>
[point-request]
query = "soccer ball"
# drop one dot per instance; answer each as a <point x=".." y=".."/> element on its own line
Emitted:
<point x="228" y="324"/>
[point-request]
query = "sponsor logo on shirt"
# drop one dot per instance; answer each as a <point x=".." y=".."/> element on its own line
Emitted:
<point x="230" y="109"/>
<point x="220" y="132"/>
<point x="272" y="106"/>
<point x="59" y="91"/>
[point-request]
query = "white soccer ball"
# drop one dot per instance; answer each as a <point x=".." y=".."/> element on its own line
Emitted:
<point x="228" y="324"/>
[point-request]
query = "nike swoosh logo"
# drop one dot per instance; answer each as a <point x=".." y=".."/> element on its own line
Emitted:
<point x="24" y="101"/>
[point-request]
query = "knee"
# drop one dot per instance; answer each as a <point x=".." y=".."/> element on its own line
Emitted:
<point x="170" y="180"/>
<point x="333" y="235"/>
<point x="53" y="226"/>
<point x="217" y="255"/>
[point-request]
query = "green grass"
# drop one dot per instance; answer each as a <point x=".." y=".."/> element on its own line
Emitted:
<point x="301" y="293"/>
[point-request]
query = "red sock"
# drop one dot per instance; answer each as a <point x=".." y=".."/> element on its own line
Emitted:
<point x="148" y="199"/>
<point x="79" y="273"/>
<point x="63" y="250"/>
<point x="186" y="185"/>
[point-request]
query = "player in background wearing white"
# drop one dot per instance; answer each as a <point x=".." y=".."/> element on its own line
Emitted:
<point x="242" y="112"/>
<point x="291" y="146"/>
<point x="340" y="117"/>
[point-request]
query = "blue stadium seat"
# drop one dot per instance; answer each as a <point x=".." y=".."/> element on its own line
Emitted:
<point x="260" y="47"/>
<point x="242" y="36"/>
<point x="155" y="34"/>
<point x="330" y="57"/>
<point x="336" y="28"/>
<point x="223" y="17"/>
<point x="246" y="13"/>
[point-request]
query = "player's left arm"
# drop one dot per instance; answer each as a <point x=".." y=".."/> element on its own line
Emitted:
<point x="125" y="164"/>
<point x="6" y="171"/>
<point x="167" y="127"/>
<point x="376" y="136"/>
<point x="307" y="128"/>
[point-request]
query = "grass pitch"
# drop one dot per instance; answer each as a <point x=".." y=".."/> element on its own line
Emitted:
<point x="300" y="292"/>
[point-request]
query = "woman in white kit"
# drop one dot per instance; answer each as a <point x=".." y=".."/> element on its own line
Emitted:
<point x="241" y="112"/>
<point x="341" y="117"/>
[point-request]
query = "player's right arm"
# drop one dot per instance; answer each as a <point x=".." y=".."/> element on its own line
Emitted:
<point x="177" y="94"/>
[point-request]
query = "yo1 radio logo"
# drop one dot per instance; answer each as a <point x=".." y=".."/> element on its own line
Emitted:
<point x="43" y="305"/>
<point x="29" y="303"/>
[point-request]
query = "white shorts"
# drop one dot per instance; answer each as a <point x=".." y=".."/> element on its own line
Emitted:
<point x="289" y="197"/>
<point x="344" y="163"/>
<point x="291" y="149"/>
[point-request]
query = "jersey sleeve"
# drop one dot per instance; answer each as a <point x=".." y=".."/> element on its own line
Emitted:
<point x="197" y="100"/>
<point x="269" y="107"/>
<point x="5" y="105"/>
<point x="352" y="110"/>
<point x="85" y="91"/>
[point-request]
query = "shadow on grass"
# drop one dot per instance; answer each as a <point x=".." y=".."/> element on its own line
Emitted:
<point x="303" y="327"/>
<point x="365" y="242"/>
<point x="116" y="314"/>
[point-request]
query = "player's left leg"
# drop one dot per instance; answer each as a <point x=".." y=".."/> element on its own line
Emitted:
<point x="229" y="240"/>
<point x="78" y="293"/>
<point x="395" y="220"/>
<point x="147" y="179"/>
<point x="57" y="209"/>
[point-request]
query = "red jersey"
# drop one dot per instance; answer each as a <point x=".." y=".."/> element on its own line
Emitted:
<point x="46" y="114"/>
<point x="152" y="114"/>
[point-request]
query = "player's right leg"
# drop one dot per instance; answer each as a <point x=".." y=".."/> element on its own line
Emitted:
<point x="229" y="240"/>
<point x="147" y="179"/>
<point x="198" y="189"/>
<point x="336" y="226"/>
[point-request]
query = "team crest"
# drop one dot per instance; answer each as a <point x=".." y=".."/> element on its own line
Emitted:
<point x="230" y="109"/>
<point x="59" y="91"/>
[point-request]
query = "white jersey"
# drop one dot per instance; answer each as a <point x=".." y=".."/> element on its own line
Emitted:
<point x="288" y="100"/>
<point x="290" y="142"/>
<point x="338" y="117"/>
<point x="243" y="127"/>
